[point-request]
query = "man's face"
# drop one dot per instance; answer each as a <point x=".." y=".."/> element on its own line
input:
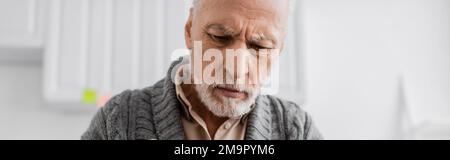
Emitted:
<point x="245" y="26"/>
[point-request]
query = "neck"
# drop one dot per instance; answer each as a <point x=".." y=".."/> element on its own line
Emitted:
<point x="212" y="121"/>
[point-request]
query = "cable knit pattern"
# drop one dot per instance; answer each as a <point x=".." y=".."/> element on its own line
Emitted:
<point x="154" y="113"/>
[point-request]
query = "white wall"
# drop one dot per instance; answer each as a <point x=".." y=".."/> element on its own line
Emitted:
<point x="23" y="112"/>
<point x="357" y="52"/>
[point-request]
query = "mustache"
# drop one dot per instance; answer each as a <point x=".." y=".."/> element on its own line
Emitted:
<point x="238" y="87"/>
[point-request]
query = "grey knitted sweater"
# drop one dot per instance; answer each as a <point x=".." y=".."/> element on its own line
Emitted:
<point x="154" y="113"/>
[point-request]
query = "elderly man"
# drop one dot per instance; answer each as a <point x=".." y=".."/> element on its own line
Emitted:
<point x="208" y="95"/>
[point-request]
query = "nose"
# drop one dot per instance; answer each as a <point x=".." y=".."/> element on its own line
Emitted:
<point x="238" y="64"/>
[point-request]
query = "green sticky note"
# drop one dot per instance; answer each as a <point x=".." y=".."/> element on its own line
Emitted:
<point x="89" y="96"/>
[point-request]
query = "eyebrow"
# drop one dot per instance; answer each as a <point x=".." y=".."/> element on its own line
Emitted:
<point x="261" y="37"/>
<point x="225" y="29"/>
<point x="228" y="31"/>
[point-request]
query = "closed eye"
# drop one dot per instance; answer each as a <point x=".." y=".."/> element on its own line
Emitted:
<point x="220" y="39"/>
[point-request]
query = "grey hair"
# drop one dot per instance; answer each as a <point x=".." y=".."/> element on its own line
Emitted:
<point x="291" y="4"/>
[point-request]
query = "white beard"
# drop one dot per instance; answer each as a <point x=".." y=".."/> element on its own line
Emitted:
<point x="229" y="107"/>
<point x="226" y="107"/>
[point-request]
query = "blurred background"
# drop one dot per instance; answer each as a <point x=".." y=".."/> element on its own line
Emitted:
<point x="364" y="69"/>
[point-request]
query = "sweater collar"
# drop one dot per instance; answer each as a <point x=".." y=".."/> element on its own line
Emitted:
<point x="259" y="125"/>
<point x="166" y="108"/>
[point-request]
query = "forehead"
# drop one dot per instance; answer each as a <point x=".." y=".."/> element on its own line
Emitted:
<point x="269" y="5"/>
<point x="268" y="14"/>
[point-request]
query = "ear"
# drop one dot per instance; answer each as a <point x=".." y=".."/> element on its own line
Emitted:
<point x="187" y="30"/>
